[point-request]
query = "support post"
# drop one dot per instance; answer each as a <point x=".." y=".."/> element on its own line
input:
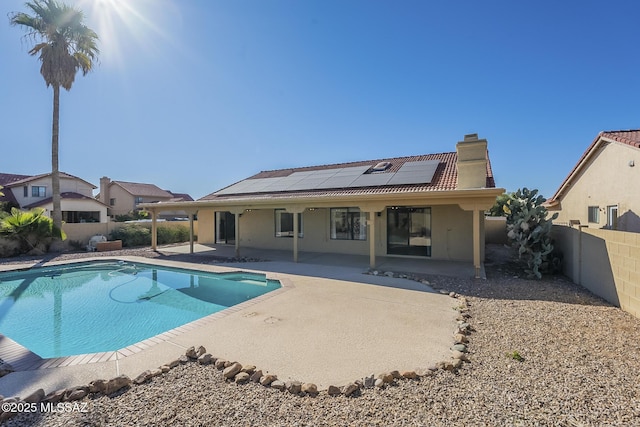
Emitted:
<point x="296" y="227"/>
<point x="190" y="233"/>
<point x="154" y="230"/>
<point x="372" y="240"/>
<point x="476" y="242"/>
<point x="237" y="224"/>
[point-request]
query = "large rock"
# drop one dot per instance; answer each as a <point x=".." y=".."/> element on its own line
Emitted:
<point x="144" y="376"/>
<point x="249" y="369"/>
<point x="35" y="397"/>
<point x="76" y="393"/>
<point x="334" y="391"/>
<point x="410" y="375"/>
<point x="349" y="389"/>
<point x="204" y="359"/>
<point x="220" y="363"/>
<point x="232" y="370"/>
<point x="200" y="351"/>
<point x="459" y="347"/>
<point x="310" y="388"/>
<point x="267" y="379"/>
<point x="97" y="386"/>
<point x="117" y="383"/>
<point x="191" y="353"/>
<point x="294" y="387"/>
<point x="386" y="377"/>
<point x="278" y="385"/>
<point x="460" y="338"/>
<point x="255" y="377"/>
<point x="242" y="377"/>
<point x="369" y="381"/>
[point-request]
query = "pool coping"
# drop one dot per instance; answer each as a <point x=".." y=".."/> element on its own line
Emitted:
<point x="21" y="358"/>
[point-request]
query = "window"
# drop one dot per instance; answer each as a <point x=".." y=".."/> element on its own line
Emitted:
<point x="612" y="217"/>
<point x="38" y="191"/>
<point x="348" y="224"/>
<point x="26" y="191"/>
<point x="112" y="202"/>
<point x="594" y="214"/>
<point x="138" y="200"/>
<point x="284" y="224"/>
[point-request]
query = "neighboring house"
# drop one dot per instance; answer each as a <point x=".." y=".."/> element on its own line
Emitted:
<point x="427" y="206"/>
<point x="603" y="189"/>
<point x="124" y="197"/>
<point x="77" y="201"/>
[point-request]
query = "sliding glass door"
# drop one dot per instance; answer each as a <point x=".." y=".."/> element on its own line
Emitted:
<point x="409" y="231"/>
<point x="225" y="227"/>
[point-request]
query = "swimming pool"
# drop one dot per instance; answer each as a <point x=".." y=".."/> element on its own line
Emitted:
<point x="105" y="306"/>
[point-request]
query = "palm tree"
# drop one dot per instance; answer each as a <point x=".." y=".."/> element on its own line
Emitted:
<point x="64" y="45"/>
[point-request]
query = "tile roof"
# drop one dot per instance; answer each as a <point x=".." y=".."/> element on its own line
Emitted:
<point x="629" y="137"/>
<point x="7" y="179"/>
<point x="180" y="197"/>
<point x="444" y="179"/>
<point x="143" y="190"/>
<point x="14" y="180"/>
<point x="63" y="196"/>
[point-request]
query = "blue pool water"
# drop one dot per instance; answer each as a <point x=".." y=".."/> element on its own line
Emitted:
<point x="105" y="306"/>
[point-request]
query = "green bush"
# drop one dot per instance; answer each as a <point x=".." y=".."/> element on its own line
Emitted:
<point x="132" y="235"/>
<point x="167" y="235"/>
<point x="139" y="235"/>
<point x="132" y="216"/>
<point x="31" y="231"/>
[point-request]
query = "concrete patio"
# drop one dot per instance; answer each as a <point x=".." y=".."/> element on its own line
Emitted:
<point x="330" y="324"/>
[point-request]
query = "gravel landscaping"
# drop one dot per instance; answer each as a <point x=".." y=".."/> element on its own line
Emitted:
<point x="543" y="352"/>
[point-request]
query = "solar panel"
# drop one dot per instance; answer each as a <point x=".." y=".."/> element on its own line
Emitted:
<point x="420" y="172"/>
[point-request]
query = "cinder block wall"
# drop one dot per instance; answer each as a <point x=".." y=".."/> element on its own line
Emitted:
<point x="604" y="261"/>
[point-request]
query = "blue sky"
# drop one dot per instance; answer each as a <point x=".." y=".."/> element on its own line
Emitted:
<point x="194" y="95"/>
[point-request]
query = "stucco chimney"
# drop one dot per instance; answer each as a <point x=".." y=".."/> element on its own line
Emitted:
<point x="472" y="162"/>
<point x="104" y="190"/>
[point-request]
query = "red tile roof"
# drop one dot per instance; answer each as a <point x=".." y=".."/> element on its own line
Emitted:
<point x="629" y="137"/>
<point x="444" y="179"/>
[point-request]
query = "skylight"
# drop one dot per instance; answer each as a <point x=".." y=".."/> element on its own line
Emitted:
<point x="382" y="166"/>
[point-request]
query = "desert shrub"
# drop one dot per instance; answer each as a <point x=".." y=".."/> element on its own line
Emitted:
<point x="139" y="235"/>
<point x="175" y="234"/>
<point x="132" y="216"/>
<point x="529" y="231"/>
<point x="132" y="235"/>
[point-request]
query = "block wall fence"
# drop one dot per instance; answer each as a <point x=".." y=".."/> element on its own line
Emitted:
<point x="606" y="262"/>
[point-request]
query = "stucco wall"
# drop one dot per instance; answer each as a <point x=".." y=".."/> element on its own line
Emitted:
<point x="604" y="261"/>
<point x="66" y="185"/>
<point x="451" y="233"/>
<point x="605" y="183"/>
<point x="125" y="202"/>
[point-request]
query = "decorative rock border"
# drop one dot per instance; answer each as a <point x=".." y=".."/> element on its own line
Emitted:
<point x="239" y="374"/>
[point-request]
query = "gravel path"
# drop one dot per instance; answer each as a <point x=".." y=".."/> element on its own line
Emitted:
<point x="580" y="367"/>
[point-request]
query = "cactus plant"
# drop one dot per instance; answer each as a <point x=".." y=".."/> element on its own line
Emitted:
<point x="529" y="229"/>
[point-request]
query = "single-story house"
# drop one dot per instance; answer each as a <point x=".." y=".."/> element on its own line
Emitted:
<point x="602" y="189"/>
<point x="426" y="207"/>
<point x="31" y="191"/>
